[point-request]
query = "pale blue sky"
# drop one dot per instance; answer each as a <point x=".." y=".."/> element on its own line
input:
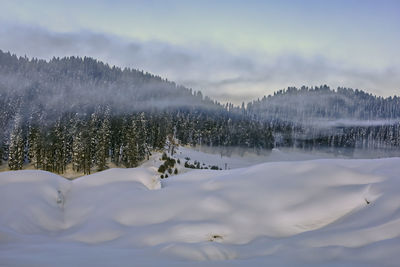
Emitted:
<point x="229" y="49"/>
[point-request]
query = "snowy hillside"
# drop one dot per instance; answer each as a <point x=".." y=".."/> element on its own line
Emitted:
<point x="74" y="116"/>
<point x="334" y="212"/>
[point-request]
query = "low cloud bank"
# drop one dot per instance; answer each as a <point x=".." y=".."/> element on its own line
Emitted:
<point x="223" y="75"/>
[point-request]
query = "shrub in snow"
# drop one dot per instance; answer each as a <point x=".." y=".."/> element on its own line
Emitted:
<point x="215" y="238"/>
<point x="188" y="165"/>
<point x="161" y="169"/>
<point x="169" y="162"/>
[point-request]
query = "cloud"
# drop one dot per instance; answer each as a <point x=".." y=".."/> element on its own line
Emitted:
<point x="225" y="75"/>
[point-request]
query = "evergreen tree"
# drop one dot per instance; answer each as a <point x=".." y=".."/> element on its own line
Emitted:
<point x="130" y="149"/>
<point x="103" y="141"/>
<point x="16" y="154"/>
<point x="35" y="146"/>
<point x="77" y="149"/>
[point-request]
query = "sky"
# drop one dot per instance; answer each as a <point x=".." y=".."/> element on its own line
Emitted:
<point x="231" y="50"/>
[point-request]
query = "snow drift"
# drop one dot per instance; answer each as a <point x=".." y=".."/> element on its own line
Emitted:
<point x="335" y="212"/>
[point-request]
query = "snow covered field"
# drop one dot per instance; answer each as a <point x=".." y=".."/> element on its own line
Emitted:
<point x="332" y="212"/>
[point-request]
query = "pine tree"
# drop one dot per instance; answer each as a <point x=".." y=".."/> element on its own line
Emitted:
<point x="103" y="137"/>
<point x="35" y="146"/>
<point x="77" y="149"/>
<point x="59" y="148"/>
<point x="141" y="133"/>
<point x="16" y="154"/>
<point x="130" y="153"/>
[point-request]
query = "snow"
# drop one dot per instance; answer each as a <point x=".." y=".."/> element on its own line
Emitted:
<point x="292" y="213"/>
<point x="235" y="157"/>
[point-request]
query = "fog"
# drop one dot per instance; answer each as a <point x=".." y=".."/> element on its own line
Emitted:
<point x="81" y="85"/>
<point x="255" y="156"/>
<point x="322" y="107"/>
<point x="352" y="123"/>
<point x="217" y="72"/>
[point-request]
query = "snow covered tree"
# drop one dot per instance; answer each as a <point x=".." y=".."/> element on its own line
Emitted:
<point x="103" y="142"/>
<point x="77" y="148"/>
<point x="130" y="149"/>
<point x="16" y="154"/>
<point x="35" y="146"/>
<point x="59" y="148"/>
<point x="141" y="135"/>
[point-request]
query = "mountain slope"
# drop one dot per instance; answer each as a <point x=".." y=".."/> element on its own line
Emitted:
<point x="81" y="84"/>
<point x="305" y="105"/>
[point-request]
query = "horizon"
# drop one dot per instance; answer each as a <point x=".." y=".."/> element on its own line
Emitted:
<point x="232" y="51"/>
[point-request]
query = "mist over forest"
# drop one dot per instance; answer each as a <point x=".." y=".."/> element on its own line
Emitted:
<point x="84" y="112"/>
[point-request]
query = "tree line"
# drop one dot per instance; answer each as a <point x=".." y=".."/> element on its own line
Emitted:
<point x="92" y="141"/>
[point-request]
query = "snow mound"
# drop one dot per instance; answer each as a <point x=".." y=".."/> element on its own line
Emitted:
<point x="290" y="213"/>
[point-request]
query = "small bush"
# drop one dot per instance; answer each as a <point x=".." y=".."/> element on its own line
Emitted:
<point x="188" y="165"/>
<point x="162" y="176"/>
<point x="161" y="169"/>
<point x="169" y="162"/>
<point x="176" y="171"/>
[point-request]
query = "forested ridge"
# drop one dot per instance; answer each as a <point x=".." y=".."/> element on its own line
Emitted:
<point x="82" y="112"/>
<point x="321" y="103"/>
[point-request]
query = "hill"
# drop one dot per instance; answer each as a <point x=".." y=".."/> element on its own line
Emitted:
<point x="338" y="212"/>
<point x="307" y="105"/>
<point x="82" y="114"/>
